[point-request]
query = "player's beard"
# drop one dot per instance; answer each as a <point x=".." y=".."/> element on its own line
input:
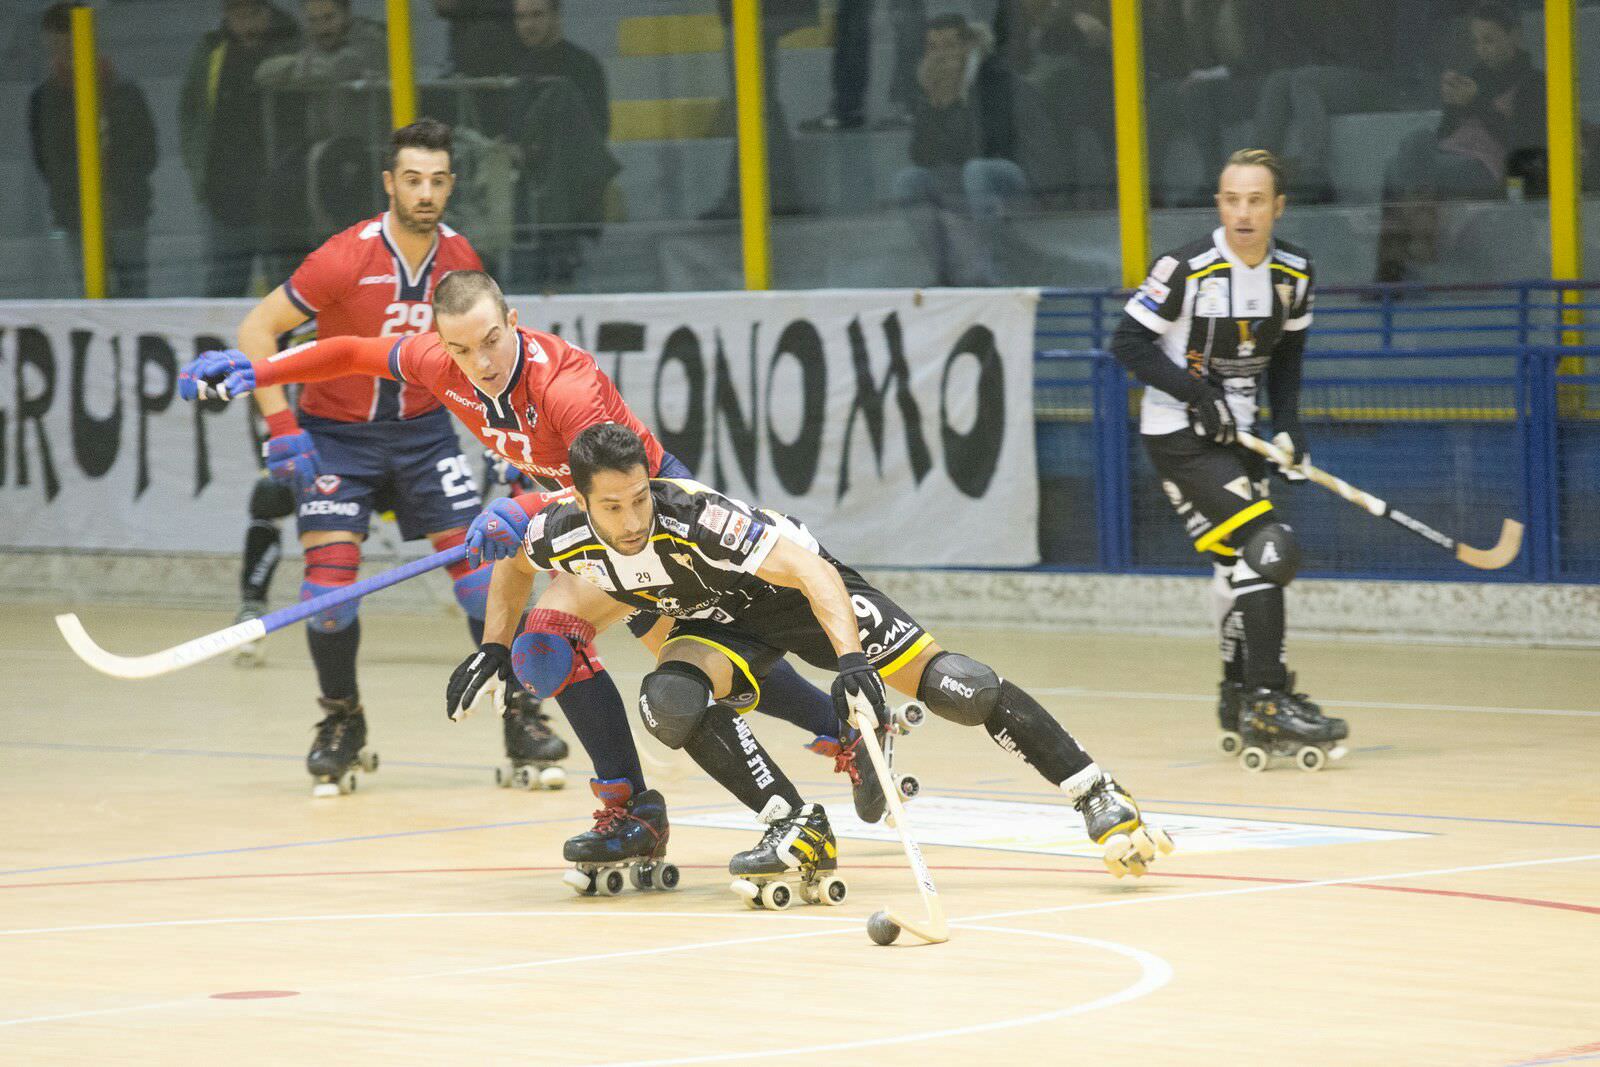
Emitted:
<point x="421" y="227"/>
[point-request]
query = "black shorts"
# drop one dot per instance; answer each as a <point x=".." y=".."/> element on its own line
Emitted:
<point x="783" y="623"/>
<point x="1217" y="490"/>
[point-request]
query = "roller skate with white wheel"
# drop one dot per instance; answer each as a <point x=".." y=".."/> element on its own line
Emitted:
<point x="255" y="653"/>
<point x="1283" y="723"/>
<point x="904" y="719"/>
<point x="1112" y="820"/>
<point x="627" y="846"/>
<point x="340" y="748"/>
<point x="796" y="856"/>
<point x="533" y="752"/>
<point x="1231" y="698"/>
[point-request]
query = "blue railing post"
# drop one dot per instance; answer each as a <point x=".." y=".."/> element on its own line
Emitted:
<point x="1112" y="493"/>
<point x="1536" y="410"/>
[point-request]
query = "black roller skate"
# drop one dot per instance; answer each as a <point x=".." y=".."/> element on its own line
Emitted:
<point x="849" y="759"/>
<point x="532" y="750"/>
<point x="1112" y="821"/>
<point x="627" y="844"/>
<point x="795" y="843"/>
<point x="1281" y="722"/>
<point x="255" y="653"/>
<point x="1231" y="698"/>
<point x="339" y="750"/>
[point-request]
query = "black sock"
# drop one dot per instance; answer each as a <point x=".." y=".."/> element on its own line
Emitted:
<point x="724" y="747"/>
<point x="1232" y="646"/>
<point x="1022" y="727"/>
<point x="335" y="657"/>
<point x="262" y="550"/>
<point x="599" y="720"/>
<point x="787" y="696"/>
<point x="1261" y="609"/>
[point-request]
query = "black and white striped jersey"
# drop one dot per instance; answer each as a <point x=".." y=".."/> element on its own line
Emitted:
<point x="1220" y="320"/>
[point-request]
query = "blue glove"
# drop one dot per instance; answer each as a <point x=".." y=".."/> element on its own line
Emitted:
<point x="292" y="460"/>
<point x="497" y="470"/>
<point x="223" y="375"/>
<point x="497" y="532"/>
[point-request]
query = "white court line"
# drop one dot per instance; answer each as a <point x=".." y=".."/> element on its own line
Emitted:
<point x="1200" y="698"/>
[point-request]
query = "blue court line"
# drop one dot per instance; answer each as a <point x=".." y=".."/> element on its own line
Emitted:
<point x="138" y="750"/>
<point x="308" y="844"/>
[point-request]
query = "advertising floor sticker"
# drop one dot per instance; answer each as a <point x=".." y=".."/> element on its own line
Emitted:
<point x="1057" y="830"/>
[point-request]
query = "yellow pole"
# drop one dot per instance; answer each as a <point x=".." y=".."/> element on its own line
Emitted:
<point x="402" y="76"/>
<point x="1561" y="93"/>
<point x="754" y="211"/>
<point x="1133" y="186"/>
<point x="91" y="213"/>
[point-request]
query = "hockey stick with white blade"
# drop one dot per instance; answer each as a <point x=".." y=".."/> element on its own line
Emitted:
<point x="1485" y="559"/>
<point x="216" y="643"/>
<point x="934" y="928"/>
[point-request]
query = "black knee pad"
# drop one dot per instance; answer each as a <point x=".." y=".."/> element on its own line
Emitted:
<point x="672" y="699"/>
<point x="1273" y="552"/>
<point x="959" y="688"/>
<point x="271" y="500"/>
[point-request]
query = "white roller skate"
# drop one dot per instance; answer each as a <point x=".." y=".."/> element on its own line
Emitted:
<point x="796" y="854"/>
<point x="339" y="750"/>
<point x="1112" y="820"/>
<point x="627" y="846"/>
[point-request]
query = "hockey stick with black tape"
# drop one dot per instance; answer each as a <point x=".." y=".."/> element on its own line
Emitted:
<point x="885" y="925"/>
<point x="214" y="644"/>
<point x="1485" y="559"/>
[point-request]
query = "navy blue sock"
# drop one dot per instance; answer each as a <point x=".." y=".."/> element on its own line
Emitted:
<point x="600" y="721"/>
<point x="787" y="696"/>
<point x="335" y="657"/>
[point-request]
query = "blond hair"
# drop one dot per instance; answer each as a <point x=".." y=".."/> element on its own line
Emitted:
<point x="1259" y="157"/>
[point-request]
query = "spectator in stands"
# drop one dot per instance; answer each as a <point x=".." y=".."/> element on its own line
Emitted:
<point x="223" y="137"/>
<point x="852" y="52"/>
<point x="562" y="121"/>
<point x="479" y="33"/>
<point x="1342" y="62"/>
<point x="128" y="154"/>
<point x="1491" y="129"/>
<point x="981" y="145"/>
<point x="1205" y="60"/>
<point x="778" y="17"/>
<point x="339" y="47"/>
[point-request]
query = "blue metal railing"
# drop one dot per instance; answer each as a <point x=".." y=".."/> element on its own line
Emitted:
<point x="1463" y="405"/>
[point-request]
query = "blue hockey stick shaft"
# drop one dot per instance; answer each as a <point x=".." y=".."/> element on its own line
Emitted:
<point x="277" y="620"/>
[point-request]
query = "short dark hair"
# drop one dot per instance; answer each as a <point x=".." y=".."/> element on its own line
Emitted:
<point x="459" y="292"/>
<point x="426" y="133"/>
<point x="57" y="18"/>
<point x="605" y="446"/>
<point x="1259" y="157"/>
<point x="1499" y="14"/>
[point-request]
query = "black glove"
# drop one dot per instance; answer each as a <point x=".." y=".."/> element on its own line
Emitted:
<point x="1211" y="417"/>
<point x="858" y="679"/>
<point x="1292" y="439"/>
<point x="483" y="674"/>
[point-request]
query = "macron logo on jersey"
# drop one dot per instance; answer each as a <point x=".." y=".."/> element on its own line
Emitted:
<point x="377" y="279"/>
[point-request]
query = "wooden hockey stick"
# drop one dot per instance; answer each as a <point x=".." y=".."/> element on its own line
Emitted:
<point x="933" y="930"/>
<point x="1485" y="559"/>
<point x="214" y="644"/>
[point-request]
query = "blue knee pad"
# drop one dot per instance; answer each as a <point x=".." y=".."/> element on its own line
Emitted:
<point x="542" y="663"/>
<point x="329" y="620"/>
<point x="472" y="591"/>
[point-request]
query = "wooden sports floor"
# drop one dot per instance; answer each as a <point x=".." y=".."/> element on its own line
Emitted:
<point x="171" y="893"/>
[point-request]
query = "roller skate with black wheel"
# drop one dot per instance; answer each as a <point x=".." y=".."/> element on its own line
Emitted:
<point x="340" y="748"/>
<point x="1113" y="821"/>
<point x="628" y="844"/>
<point x="533" y="751"/>
<point x="1231" y="698"/>
<point x="255" y="653"/>
<point x="1283" y="723"/>
<point x="797" y="853"/>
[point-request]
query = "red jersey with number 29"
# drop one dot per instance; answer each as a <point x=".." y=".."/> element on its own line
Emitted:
<point x="358" y="285"/>
<point x="555" y="391"/>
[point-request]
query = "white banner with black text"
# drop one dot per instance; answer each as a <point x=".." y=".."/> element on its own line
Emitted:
<point x="897" y="424"/>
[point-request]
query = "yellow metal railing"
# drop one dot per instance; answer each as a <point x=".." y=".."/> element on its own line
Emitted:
<point x="91" y="204"/>
<point x="750" y="99"/>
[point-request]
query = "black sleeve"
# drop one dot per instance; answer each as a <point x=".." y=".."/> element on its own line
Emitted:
<point x="1283" y="380"/>
<point x="1134" y="345"/>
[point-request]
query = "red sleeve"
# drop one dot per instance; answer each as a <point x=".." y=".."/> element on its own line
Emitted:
<point x="575" y="400"/>
<point x="322" y="280"/>
<point x="337" y="357"/>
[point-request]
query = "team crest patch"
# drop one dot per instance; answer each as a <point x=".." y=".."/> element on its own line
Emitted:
<point x="1212" y="301"/>
<point x="714" y="517"/>
<point x="327" y="484"/>
<point x="530" y="415"/>
<point x="593" y="572"/>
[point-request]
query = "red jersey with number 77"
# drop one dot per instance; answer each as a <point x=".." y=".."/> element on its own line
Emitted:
<point x="554" y="392"/>
<point x="358" y="284"/>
